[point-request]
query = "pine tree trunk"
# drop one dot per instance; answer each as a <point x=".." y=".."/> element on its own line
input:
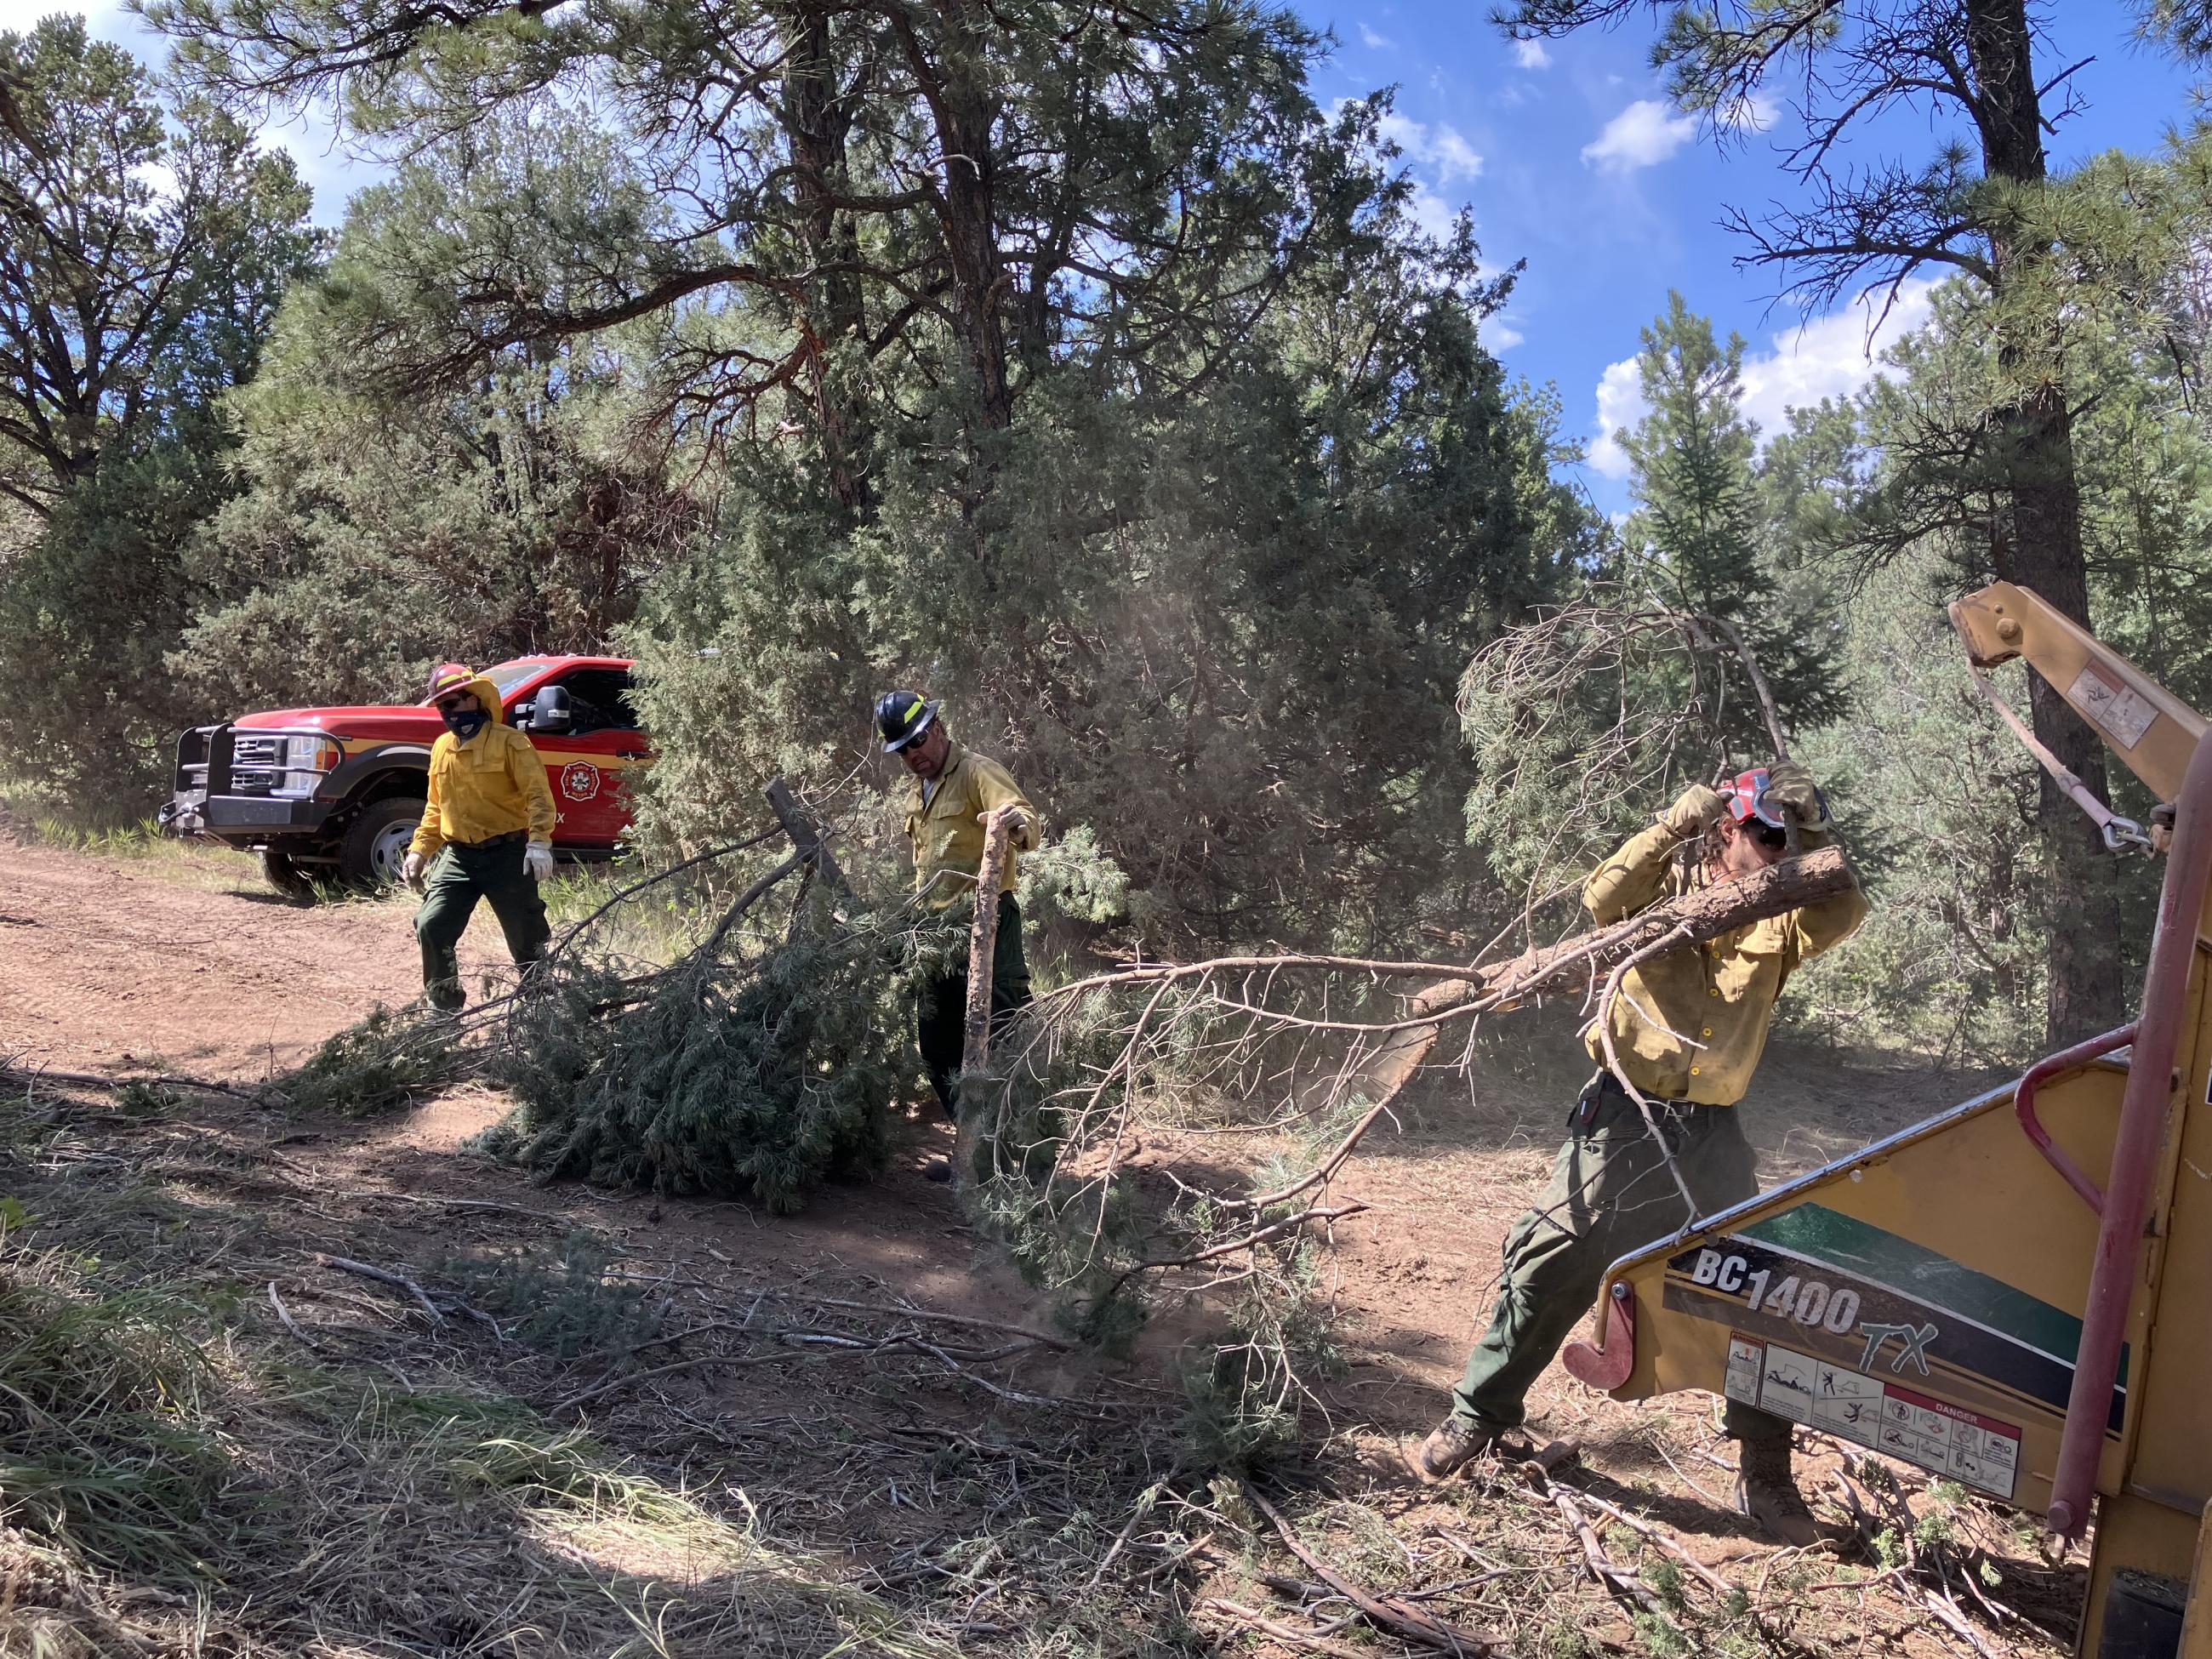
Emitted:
<point x="817" y="125"/>
<point x="955" y="84"/>
<point x="2038" y="543"/>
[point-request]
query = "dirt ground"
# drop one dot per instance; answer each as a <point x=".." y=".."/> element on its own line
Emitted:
<point x="112" y="964"/>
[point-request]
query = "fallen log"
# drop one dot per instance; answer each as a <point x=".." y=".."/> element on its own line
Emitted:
<point x="1574" y="964"/>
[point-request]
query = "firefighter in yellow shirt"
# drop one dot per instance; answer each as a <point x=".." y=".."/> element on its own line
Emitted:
<point x="950" y="791"/>
<point x="487" y="832"/>
<point x="1689" y="1027"/>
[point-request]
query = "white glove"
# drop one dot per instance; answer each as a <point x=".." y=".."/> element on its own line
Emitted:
<point x="410" y="868"/>
<point x="538" y="859"/>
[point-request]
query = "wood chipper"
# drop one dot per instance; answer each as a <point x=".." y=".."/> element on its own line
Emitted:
<point x="2015" y="1295"/>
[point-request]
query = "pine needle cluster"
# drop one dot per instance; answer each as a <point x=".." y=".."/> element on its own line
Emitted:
<point x="759" y="1077"/>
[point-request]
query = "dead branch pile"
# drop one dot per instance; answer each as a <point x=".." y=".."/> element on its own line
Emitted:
<point x="732" y="1071"/>
<point x="748" y="1065"/>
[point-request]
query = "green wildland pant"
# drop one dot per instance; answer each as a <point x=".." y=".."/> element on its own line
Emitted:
<point x="940" y="1004"/>
<point x="460" y="876"/>
<point x="1610" y="1194"/>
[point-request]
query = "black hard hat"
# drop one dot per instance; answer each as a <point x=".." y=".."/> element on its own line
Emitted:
<point x="902" y="717"/>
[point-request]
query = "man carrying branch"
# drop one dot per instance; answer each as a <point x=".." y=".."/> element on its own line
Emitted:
<point x="953" y="790"/>
<point x="1688" y="1027"/>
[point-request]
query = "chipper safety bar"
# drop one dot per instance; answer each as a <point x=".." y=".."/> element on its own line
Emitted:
<point x="2017" y="1300"/>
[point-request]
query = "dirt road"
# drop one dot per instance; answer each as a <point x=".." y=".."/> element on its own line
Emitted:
<point x="184" y="962"/>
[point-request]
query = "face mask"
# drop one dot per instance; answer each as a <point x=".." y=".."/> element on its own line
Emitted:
<point x="463" y="724"/>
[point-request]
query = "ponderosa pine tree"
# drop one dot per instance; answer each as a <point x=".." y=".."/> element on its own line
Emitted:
<point x="143" y="250"/>
<point x="145" y="243"/>
<point x="1969" y="208"/>
<point x="1696" y="535"/>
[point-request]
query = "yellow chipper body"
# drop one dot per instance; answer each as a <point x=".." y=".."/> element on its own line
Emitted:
<point x="2015" y="1295"/>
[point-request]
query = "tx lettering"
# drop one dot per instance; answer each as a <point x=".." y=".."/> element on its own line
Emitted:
<point x="1912" y="1344"/>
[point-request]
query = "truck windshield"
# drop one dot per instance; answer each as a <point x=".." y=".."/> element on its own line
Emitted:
<point x="509" y="675"/>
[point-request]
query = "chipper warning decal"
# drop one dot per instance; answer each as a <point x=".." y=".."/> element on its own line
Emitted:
<point x="1840" y="1325"/>
<point x="1982" y="1452"/>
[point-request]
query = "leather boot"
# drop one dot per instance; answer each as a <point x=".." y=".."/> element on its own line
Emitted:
<point x="1766" y="1492"/>
<point x="1451" y="1446"/>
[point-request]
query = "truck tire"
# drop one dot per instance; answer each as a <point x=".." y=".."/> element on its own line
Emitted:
<point x="289" y="878"/>
<point x="376" y="842"/>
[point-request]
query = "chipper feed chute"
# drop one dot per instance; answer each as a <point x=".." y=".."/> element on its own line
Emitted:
<point x="2012" y="1295"/>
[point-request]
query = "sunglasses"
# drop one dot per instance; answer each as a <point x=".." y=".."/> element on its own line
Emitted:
<point x="1769" y="835"/>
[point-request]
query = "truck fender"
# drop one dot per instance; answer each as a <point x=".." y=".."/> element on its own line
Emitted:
<point x="350" y="775"/>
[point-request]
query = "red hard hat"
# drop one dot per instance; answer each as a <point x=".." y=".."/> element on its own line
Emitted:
<point x="448" y="678"/>
<point x="1746" y="799"/>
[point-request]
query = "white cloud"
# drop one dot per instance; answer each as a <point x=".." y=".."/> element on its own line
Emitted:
<point x="1442" y="147"/>
<point x="1619" y="404"/>
<point x="1753" y="114"/>
<point x="1829" y="356"/>
<point x="1530" y="55"/>
<point x="1434" y="215"/>
<point x="1500" y="335"/>
<point x="159" y="177"/>
<point x="1643" y="135"/>
<point x="1375" y="42"/>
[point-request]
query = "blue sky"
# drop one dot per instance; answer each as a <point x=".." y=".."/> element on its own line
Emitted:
<point x="1569" y="160"/>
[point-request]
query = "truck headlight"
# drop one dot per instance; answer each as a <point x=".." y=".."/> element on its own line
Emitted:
<point x="307" y="760"/>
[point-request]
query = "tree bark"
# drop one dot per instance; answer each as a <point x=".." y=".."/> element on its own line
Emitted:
<point x="965" y="113"/>
<point x="2038" y="543"/>
<point x="817" y="121"/>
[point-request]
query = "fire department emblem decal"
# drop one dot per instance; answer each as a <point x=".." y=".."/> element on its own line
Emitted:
<point x="579" y="781"/>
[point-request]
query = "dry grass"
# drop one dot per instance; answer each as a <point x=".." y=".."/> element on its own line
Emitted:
<point x="374" y="1479"/>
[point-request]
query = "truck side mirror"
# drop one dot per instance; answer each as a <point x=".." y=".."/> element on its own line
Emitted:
<point x="550" y="711"/>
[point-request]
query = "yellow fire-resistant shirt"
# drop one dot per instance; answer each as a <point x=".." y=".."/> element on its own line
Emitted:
<point x="492" y="785"/>
<point x="1715" y="999"/>
<point x="944" y="830"/>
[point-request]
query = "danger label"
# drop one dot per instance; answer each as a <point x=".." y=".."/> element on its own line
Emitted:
<point x="2119" y="711"/>
<point x="1977" y="1451"/>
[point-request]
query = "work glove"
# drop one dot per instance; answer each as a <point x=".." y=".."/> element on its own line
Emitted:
<point x="538" y="860"/>
<point x="410" y="869"/>
<point x="1693" y="809"/>
<point x="1791" y="784"/>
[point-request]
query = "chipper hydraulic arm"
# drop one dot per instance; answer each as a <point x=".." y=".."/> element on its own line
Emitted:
<point x="2016" y="1294"/>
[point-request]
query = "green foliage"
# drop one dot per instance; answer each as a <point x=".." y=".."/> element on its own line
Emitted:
<point x="761" y="1076"/>
<point x="144" y="242"/>
<point x="376" y="533"/>
<point x="1233" y="687"/>
<point x="88" y="704"/>
<point x="562" y="1300"/>
<point x="105" y="1445"/>
<point x="1660" y="1638"/>
<point x="1699" y="525"/>
<point x="1074" y="877"/>
<point x="386" y="1062"/>
<point x="1586" y="724"/>
<point x="1937" y="802"/>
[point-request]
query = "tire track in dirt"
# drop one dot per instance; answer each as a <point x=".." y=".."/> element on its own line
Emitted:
<point x="106" y="964"/>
